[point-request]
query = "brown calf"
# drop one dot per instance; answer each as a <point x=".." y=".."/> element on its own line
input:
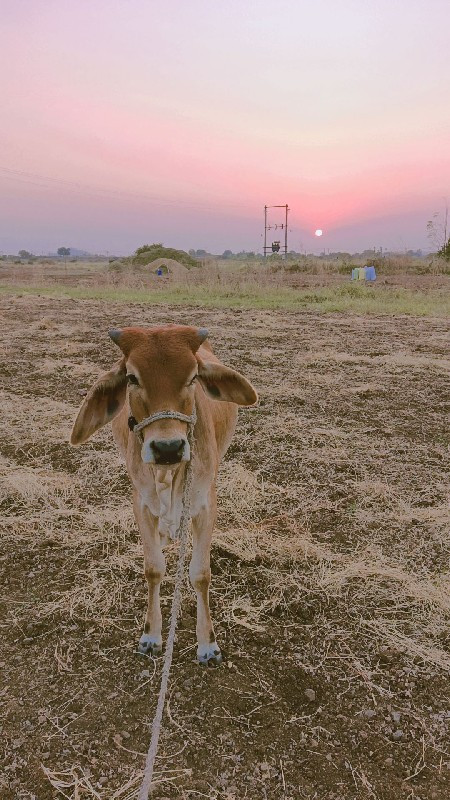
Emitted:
<point x="169" y="368"/>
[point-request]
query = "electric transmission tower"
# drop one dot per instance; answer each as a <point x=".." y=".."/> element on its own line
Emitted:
<point x="276" y="245"/>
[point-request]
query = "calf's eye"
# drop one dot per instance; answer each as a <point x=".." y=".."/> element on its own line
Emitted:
<point x="132" y="380"/>
<point x="191" y="382"/>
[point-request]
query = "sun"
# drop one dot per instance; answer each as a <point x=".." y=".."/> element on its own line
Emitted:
<point x="318" y="232"/>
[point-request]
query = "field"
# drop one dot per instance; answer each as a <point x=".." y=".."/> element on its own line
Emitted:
<point x="330" y="590"/>
<point x="404" y="286"/>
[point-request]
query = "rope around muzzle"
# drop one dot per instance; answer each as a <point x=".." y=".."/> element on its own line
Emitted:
<point x="138" y="427"/>
<point x="182" y="535"/>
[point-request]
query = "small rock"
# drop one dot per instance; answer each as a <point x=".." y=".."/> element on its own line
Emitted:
<point x="82" y="392"/>
<point x="125" y="735"/>
<point x="310" y="694"/>
<point x="396" y="716"/>
<point x="397" y="734"/>
<point x="386" y="654"/>
<point x="145" y="673"/>
<point x="369" y="713"/>
<point x="16" y="743"/>
<point x="389" y="761"/>
<point x="103" y="780"/>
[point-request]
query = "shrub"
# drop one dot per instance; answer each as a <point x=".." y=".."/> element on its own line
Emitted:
<point x="149" y="252"/>
<point x="444" y="251"/>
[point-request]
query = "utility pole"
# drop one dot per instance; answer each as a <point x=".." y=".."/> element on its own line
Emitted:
<point x="275" y="246"/>
<point x="265" y="230"/>
<point x="285" y="232"/>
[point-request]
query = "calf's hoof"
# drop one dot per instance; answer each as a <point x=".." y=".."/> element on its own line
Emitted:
<point x="149" y="646"/>
<point x="209" y="655"/>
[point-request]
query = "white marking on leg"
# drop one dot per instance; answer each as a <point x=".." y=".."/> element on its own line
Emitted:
<point x="209" y="653"/>
<point x="150" y="644"/>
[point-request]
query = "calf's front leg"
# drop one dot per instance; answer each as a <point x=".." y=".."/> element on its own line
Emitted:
<point x="150" y="642"/>
<point x="208" y="652"/>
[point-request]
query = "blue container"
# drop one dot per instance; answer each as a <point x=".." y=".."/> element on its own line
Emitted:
<point x="355" y="273"/>
<point x="370" y="274"/>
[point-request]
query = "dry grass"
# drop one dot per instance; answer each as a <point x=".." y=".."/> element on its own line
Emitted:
<point x="323" y="286"/>
<point x="334" y="497"/>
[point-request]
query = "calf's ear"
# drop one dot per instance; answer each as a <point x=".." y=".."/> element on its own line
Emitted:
<point x="223" y="383"/>
<point x="102" y="403"/>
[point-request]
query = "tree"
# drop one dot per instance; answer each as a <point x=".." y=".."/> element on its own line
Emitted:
<point x="227" y="254"/>
<point x="437" y="228"/>
<point x="63" y="251"/>
<point x="149" y="252"/>
<point x="25" y="254"/>
<point x="444" y="251"/>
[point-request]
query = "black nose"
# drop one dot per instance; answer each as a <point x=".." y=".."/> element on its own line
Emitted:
<point x="168" y="451"/>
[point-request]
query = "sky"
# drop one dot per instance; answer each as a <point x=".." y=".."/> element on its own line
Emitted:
<point x="125" y="122"/>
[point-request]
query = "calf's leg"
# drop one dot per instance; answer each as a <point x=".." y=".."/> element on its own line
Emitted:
<point x="208" y="652"/>
<point x="150" y="642"/>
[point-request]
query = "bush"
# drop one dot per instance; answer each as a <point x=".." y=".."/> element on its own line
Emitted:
<point x="444" y="251"/>
<point x="149" y="252"/>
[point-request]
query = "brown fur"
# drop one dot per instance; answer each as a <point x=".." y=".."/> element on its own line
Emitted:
<point x="164" y="359"/>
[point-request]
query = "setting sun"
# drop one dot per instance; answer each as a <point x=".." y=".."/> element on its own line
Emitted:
<point x="318" y="232"/>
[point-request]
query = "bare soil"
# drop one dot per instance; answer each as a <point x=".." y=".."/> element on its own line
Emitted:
<point x="330" y="589"/>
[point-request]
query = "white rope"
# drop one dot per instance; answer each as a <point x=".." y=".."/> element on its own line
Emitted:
<point x="176" y="603"/>
<point x="191" y="420"/>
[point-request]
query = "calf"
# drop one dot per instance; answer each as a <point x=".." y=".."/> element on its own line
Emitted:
<point x="169" y="369"/>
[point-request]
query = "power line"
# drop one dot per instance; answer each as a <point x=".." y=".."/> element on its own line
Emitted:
<point x="49" y="182"/>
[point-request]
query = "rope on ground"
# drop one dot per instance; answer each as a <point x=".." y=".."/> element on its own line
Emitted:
<point x="176" y="603"/>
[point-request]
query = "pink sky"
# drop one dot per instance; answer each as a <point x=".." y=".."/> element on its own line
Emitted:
<point x="132" y="121"/>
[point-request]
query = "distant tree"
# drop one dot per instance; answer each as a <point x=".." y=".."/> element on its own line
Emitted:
<point x="25" y="254"/>
<point x="148" y="248"/>
<point x="149" y="252"/>
<point x="437" y="228"/>
<point x="444" y="251"/>
<point x="227" y="254"/>
<point x="63" y="251"/>
<point x="201" y="253"/>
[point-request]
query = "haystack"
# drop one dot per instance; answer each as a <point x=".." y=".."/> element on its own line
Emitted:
<point x="173" y="267"/>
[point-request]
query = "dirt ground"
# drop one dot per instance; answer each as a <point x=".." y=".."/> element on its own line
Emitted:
<point x="330" y="569"/>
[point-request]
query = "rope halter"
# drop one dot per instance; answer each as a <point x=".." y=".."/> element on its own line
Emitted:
<point x="138" y="427"/>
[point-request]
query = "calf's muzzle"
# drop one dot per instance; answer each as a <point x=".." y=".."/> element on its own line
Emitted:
<point x="168" y="451"/>
<point x="164" y="451"/>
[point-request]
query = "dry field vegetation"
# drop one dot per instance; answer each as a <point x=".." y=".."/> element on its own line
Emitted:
<point x="330" y="587"/>
<point x="404" y="286"/>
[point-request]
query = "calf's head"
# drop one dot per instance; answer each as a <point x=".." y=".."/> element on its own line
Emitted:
<point x="158" y="370"/>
